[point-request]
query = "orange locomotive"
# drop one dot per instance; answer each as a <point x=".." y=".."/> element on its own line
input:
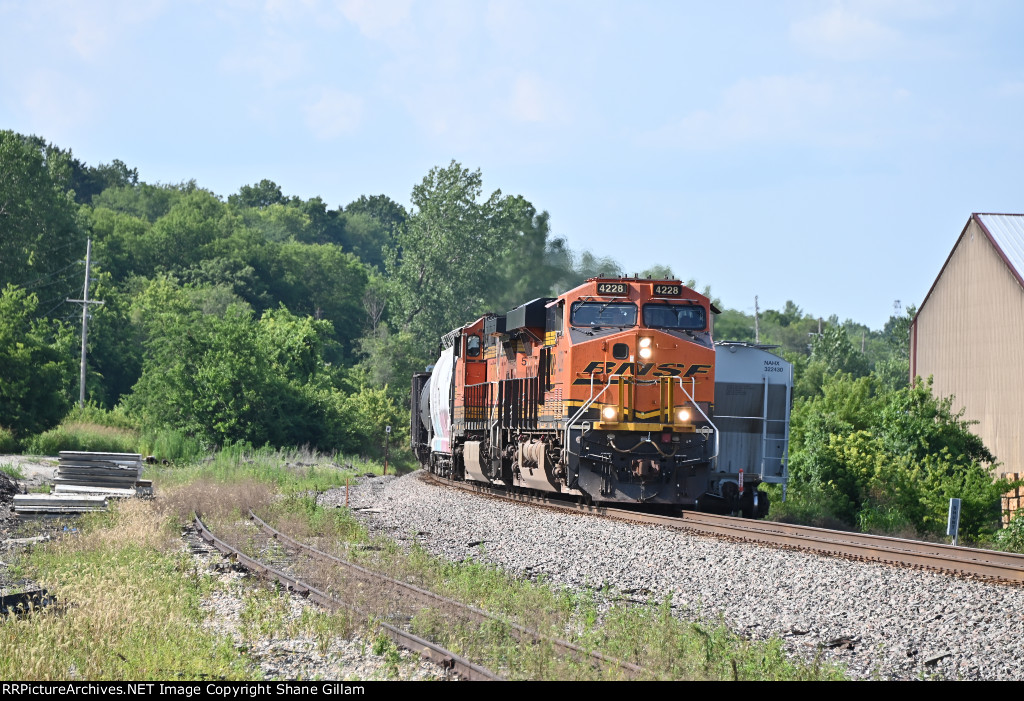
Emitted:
<point x="605" y="393"/>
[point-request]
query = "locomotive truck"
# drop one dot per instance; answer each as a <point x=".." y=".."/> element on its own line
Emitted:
<point x="613" y="392"/>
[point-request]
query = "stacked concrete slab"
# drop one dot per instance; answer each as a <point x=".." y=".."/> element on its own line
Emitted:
<point x="57" y="504"/>
<point x="112" y="474"/>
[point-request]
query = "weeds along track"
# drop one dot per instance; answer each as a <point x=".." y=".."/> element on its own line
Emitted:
<point x="282" y="568"/>
<point x="986" y="565"/>
<point x="519" y="651"/>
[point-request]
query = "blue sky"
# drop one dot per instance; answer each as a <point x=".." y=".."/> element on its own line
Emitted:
<point x="824" y="152"/>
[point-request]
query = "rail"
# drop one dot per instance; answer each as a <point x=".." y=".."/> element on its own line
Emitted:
<point x="429" y="598"/>
<point x="991" y="565"/>
<point x="427" y="649"/>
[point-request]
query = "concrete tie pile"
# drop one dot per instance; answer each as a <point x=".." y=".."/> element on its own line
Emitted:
<point x="84" y="482"/>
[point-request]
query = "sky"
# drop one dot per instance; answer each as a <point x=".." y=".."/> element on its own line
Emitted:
<point x="824" y="152"/>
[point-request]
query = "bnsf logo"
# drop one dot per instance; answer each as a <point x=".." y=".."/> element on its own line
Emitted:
<point x="641" y="369"/>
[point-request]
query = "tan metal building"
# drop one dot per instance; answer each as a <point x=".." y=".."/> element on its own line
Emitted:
<point x="969" y="333"/>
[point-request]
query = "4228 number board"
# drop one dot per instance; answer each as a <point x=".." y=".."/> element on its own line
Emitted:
<point x="667" y="290"/>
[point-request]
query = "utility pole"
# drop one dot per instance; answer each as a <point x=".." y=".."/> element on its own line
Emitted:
<point x="85" y="302"/>
<point x="757" y="323"/>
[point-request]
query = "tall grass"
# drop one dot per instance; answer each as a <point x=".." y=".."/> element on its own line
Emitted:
<point x="12" y="471"/>
<point x="128" y="607"/>
<point x="172" y="444"/>
<point x="81" y="435"/>
<point x="286" y="471"/>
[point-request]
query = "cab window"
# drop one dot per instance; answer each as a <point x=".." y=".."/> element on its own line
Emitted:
<point x="472" y="346"/>
<point x="598" y="314"/>
<point x="691" y="317"/>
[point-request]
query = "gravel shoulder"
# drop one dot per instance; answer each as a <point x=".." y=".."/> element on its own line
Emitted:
<point x="880" y="622"/>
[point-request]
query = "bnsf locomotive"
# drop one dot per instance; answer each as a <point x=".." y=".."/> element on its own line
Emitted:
<point x="611" y="392"/>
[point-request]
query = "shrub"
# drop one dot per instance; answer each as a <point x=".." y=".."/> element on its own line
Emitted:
<point x="84" y="436"/>
<point x="8" y="443"/>
<point x="1011" y="538"/>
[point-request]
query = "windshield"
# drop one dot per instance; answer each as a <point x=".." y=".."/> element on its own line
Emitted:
<point x="594" y="314"/>
<point x="675" y="316"/>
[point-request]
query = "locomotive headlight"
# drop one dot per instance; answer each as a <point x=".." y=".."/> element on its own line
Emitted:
<point x="609" y="412"/>
<point x="645" y="342"/>
<point x="684" y="414"/>
<point x="645" y="353"/>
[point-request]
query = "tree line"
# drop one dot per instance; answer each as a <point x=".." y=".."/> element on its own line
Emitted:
<point x="270" y="319"/>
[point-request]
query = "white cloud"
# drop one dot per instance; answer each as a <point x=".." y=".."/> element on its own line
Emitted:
<point x="334" y="114"/>
<point x="535" y="100"/>
<point x="785" y="109"/>
<point x="1011" y="89"/>
<point x="274" y="61"/>
<point x="843" y="34"/>
<point x="56" y="104"/>
<point x="94" y="32"/>
<point x="375" y="17"/>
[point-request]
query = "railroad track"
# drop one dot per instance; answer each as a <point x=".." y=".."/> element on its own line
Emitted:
<point x="429" y="650"/>
<point x="386" y="597"/>
<point x="989" y="565"/>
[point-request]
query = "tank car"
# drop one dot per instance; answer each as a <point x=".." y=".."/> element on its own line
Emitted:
<point x="606" y="393"/>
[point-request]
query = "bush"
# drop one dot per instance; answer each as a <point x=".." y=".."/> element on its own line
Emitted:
<point x="84" y="436"/>
<point x="172" y="444"/>
<point x="93" y="414"/>
<point x="1011" y="538"/>
<point x="8" y="443"/>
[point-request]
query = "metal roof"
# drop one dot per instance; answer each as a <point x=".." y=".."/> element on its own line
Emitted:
<point x="1007" y="233"/>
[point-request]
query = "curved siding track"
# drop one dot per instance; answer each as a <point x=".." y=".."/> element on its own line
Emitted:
<point x="437" y="654"/>
<point x="333" y="582"/>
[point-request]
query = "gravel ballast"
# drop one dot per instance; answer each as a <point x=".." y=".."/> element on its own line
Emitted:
<point x="881" y="622"/>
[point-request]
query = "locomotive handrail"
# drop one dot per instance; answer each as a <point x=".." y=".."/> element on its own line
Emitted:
<point x="693" y="383"/>
<point x="583" y="408"/>
<point x="593" y="398"/>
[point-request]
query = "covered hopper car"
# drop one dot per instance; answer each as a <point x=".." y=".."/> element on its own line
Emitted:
<point x="613" y="392"/>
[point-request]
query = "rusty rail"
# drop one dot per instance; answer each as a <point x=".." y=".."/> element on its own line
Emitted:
<point x="428" y="598"/>
<point x="991" y="565"/>
<point x="431" y="651"/>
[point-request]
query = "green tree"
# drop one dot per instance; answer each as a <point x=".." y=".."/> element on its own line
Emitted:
<point x="145" y="201"/>
<point x="324" y="282"/>
<point x="879" y="458"/>
<point x="40" y="233"/>
<point x="181" y="238"/>
<point x="527" y="265"/>
<point x="443" y="263"/>
<point x="385" y="211"/>
<point x="119" y="241"/>
<point x="229" y="378"/>
<point x="37" y="365"/>
<point x="264" y="194"/>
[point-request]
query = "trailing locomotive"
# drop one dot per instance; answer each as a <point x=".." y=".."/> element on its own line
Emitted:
<point x="607" y="393"/>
